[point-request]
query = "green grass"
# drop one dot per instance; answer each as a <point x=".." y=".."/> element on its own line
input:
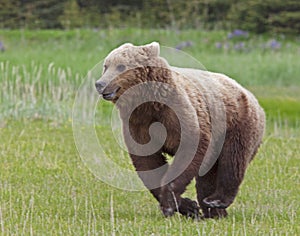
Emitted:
<point x="46" y="189"/>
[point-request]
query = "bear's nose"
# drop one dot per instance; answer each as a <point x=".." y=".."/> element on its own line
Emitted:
<point x="100" y="85"/>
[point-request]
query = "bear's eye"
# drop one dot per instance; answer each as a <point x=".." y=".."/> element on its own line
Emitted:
<point x="121" y="68"/>
<point x="104" y="68"/>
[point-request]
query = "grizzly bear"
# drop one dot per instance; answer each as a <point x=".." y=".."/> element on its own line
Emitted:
<point x="208" y="123"/>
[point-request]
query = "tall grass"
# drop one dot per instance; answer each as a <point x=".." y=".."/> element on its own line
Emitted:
<point x="36" y="92"/>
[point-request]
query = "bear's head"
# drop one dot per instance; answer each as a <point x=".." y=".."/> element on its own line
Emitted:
<point x="129" y="65"/>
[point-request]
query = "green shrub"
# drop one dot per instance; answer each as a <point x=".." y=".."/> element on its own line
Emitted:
<point x="258" y="16"/>
<point x="269" y="15"/>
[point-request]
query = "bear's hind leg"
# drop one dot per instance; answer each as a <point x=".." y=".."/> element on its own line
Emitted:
<point x="206" y="185"/>
<point x="232" y="164"/>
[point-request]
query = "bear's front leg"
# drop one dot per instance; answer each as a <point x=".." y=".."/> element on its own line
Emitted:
<point x="186" y="207"/>
<point x="172" y="188"/>
<point x="171" y="201"/>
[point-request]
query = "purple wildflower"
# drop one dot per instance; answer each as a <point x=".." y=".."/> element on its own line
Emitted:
<point x="218" y="45"/>
<point x="184" y="44"/>
<point x="237" y="33"/>
<point x="274" y="44"/>
<point x="239" y="46"/>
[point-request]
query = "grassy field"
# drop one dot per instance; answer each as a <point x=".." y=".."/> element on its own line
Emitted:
<point x="46" y="189"/>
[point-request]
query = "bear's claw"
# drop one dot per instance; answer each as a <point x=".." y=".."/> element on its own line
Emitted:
<point x="215" y="203"/>
<point x="189" y="208"/>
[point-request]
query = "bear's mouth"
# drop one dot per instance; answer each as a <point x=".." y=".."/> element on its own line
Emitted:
<point x="110" y="95"/>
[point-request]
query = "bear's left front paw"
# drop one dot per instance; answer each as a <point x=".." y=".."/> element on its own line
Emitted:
<point x="189" y="208"/>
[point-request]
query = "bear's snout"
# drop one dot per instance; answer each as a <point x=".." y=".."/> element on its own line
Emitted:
<point x="100" y="85"/>
<point x="108" y="91"/>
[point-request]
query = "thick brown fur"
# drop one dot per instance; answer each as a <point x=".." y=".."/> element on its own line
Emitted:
<point x="245" y="121"/>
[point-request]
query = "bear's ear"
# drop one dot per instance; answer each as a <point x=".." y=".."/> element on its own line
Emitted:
<point x="126" y="45"/>
<point x="152" y="49"/>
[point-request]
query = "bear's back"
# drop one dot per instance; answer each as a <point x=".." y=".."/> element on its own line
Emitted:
<point x="219" y="89"/>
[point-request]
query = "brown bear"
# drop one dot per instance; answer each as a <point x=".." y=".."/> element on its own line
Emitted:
<point x="208" y="123"/>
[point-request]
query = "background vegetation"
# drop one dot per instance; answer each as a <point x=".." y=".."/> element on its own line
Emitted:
<point x="46" y="50"/>
<point x="258" y="16"/>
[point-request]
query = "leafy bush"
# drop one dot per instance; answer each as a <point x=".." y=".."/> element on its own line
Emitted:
<point x="252" y="15"/>
<point x="269" y="15"/>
